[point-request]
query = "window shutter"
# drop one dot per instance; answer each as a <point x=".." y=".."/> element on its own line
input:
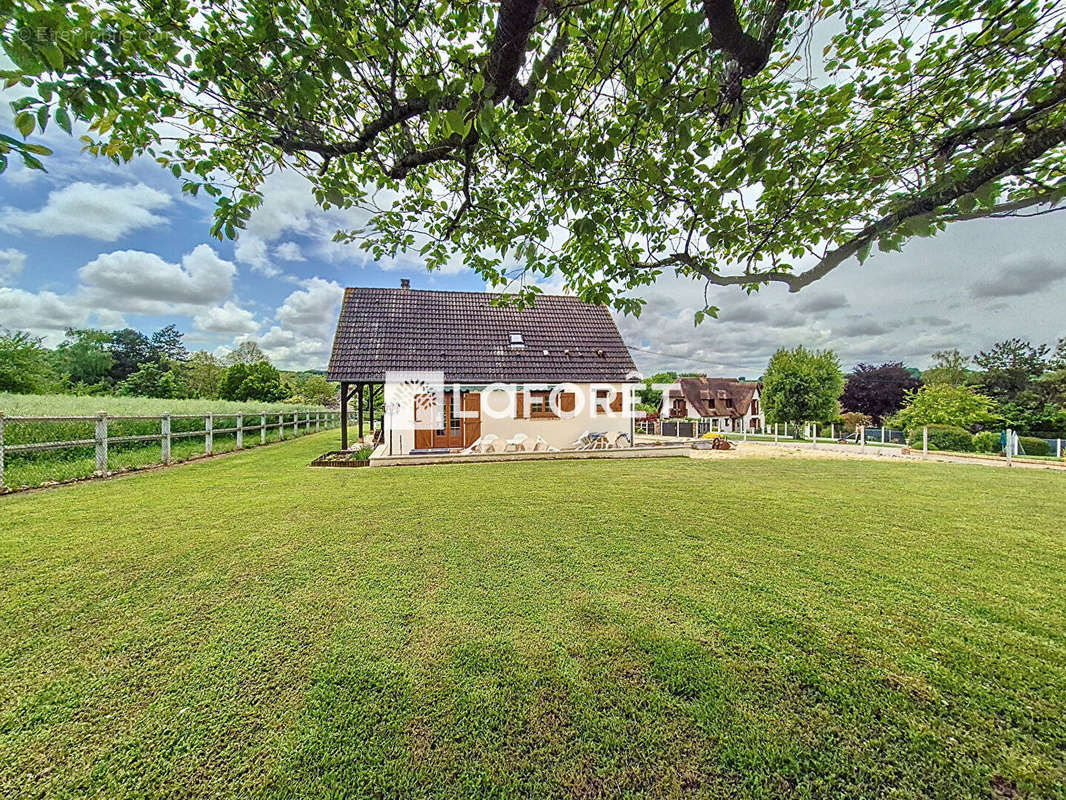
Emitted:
<point x="567" y="402"/>
<point x="616" y="404"/>
<point x="519" y="407"/>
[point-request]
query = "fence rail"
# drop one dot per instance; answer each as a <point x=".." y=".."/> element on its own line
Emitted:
<point x="310" y="421"/>
<point x="694" y="428"/>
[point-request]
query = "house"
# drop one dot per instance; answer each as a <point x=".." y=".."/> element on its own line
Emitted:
<point x="730" y="405"/>
<point x="451" y="367"/>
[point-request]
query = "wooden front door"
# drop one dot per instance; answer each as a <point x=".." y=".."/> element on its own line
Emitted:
<point x="453" y="431"/>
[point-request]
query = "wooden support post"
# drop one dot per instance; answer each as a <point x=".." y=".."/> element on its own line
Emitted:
<point x="262" y="429"/>
<point x="281" y="427"/>
<point x="101" y="443"/>
<point x="359" y="436"/>
<point x="344" y="415"/>
<point x="372" y="391"/>
<point x="318" y="421"/>
<point x="165" y="430"/>
<point x="209" y="433"/>
<point x="240" y="431"/>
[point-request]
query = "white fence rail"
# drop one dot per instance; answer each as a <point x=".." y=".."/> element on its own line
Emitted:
<point x="308" y="421"/>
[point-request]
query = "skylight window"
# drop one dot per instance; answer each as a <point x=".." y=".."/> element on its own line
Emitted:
<point x="516" y="340"/>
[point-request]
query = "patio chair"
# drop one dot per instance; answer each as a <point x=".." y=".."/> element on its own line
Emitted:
<point x="482" y="444"/>
<point x="518" y="442"/>
<point x="541" y="444"/>
<point x="622" y="440"/>
<point x="582" y="442"/>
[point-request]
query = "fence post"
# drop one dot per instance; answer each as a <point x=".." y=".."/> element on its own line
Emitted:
<point x="101" y="443"/>
<point x="882" y="433"/>
<point x="814" y="434"/>
<point x="281" y="427"/>
<point x="262" y="429"/>
<point x="209" y="433"/>
<point x="165" y="441"/>
<point x="925" y="441"/>
<point x="1" y="450"/>
<point x="832" y="431"/>
<point x="1058" y="448"/>
<point x="295" y="424"/>
<point x="240" y="431"/>
<point x="318" y="421"/>
<point x="1010" y="445"/>
<point x="775" y="432"/>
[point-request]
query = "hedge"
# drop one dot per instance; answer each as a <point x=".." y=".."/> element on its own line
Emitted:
<point x="943" y="437"/>
<point x="1032" y="446"/>
<point x="988" y="442"/>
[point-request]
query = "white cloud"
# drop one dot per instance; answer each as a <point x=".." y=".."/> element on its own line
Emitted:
<point x="133" y="280"/>
<point x="229" y="318"/>
<point x="40" y="311"/>
<point x="1020" y="275"/>
<point x="96" y="210"/>
<point x="289" y="251"/>
<point x="303" y="335"/>
<point x="12" y="262"/>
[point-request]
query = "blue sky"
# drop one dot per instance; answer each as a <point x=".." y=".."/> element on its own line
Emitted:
<point x="95" y="244"/>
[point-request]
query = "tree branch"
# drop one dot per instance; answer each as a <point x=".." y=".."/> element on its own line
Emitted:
<point x="1031" y="147"/>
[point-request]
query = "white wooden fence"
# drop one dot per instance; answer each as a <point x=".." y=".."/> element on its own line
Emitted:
<point x="308" y="421"/>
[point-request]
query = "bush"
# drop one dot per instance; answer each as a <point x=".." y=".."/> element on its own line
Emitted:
<point x="1032" y="446"/>
<point x="943" y="437"/>
<point x="987" y="442"/>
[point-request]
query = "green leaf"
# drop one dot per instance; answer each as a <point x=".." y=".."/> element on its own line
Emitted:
<point x="24" y="124"/>
<point x="63" y="119"/>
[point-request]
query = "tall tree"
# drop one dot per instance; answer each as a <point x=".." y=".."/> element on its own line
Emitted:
<point x="168" y="344"/>
<point x="607" y="142"/>
<point x="201" y="375"/>
<point x="83" y="356"/>
<point x="950" y="367"/>
<point x="129" y="349"/>
<point x="943" y="404"/>
<point x="1010" y="367"/>
<point x="878" y="391"/>
<point x="246" y="353"/>
<point x="802" y="386"/>
<point x="24" y="363"/>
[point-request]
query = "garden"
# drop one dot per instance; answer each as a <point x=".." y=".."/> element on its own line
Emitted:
<point x="249" y="626"/>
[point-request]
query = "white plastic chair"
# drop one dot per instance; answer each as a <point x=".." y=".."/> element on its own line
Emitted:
<point x="542" y="445"/>
<point x="482" y="444"/>
<point x="518" y="442"/>
<point x="582" y="442"/>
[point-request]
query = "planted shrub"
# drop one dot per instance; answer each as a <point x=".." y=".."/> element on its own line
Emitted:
<point x="1032" y="446"/>
<point x="943" y="437"/>
<point x="987" y="442"/>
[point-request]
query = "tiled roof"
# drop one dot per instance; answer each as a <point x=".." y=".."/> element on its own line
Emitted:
<point x="706" y="395"/>
<point x="466" y="336"/>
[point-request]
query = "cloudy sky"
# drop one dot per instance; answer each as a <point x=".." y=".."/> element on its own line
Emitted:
<point x="93" y="244"/>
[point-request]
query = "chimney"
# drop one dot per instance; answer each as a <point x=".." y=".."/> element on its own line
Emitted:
<point x="405" y="283"/>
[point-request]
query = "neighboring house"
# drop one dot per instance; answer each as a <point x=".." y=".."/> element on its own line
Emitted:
<point x="503" y="369"/>
<point x="730" y="405"/>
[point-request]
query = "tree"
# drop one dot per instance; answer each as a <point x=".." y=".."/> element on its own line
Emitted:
<point x="259" y="381"/>
<point x="129" y="350"/>
<point x="200" y="375"/>
<point x="245" y="353"/>
<point x="151" y="380"/>
<point x="312" y="389"/>
<point x="950" y="367"/>
<point x="656" y="136"/>
<point x="654" y="397"/>
<point x="1010" y="368"/>
<point x="83" y="356"/>
<point x="878" y="391"/>
<point x="24" y="364"/>
<point x="802" y="386"/>
<point x="167" y="344"/>
<point x="943" y="404"/>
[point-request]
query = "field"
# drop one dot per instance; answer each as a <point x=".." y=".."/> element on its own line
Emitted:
<point x="250" y="627"/>
<point x="33" y="469"/>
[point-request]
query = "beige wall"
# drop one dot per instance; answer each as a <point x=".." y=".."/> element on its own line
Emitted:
<point x="558" y="432"/>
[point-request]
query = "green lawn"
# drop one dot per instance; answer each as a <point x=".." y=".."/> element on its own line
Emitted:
<point x="250" y="627"/>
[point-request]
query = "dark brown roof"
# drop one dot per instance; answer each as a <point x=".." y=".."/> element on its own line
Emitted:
<point x="708" y="395"/>
<point x="466" y="336"/>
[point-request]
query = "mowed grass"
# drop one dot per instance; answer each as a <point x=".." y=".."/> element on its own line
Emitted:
<point x="251" y="627"/>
